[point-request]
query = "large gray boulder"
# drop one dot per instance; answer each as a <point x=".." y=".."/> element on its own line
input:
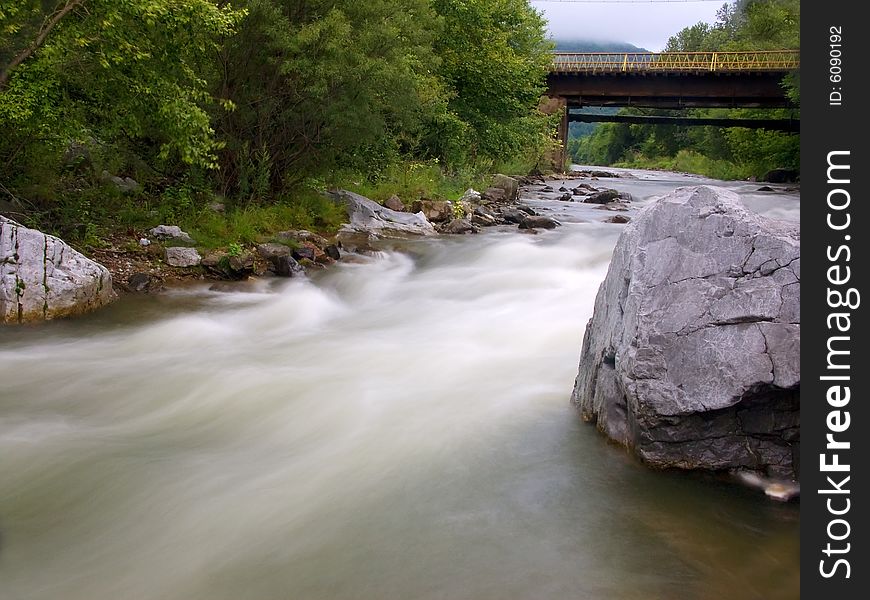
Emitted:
<point x="370" y="217"/>
<point x="692" y="355"/>
<point x="41" y="277"/>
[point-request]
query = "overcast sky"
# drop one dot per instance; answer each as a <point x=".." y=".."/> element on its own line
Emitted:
<point x="644" y="24"/>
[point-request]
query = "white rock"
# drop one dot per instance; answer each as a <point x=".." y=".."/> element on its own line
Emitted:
<point x="41" y="277"/>
<point x="369" y="216"/>
<point x="182" y="257"/>
<point x="171" y="232"/>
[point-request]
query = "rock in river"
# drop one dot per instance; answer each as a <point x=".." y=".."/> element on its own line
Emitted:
<point x="41" y="277"/>
<point x="280" y="259"/>
<point x="509" y="185"/>
<point x="436" y="211"/>
<point x="370" y="217"/>
<point x="602" y="197"/>
<point x="538" y="221"/>
<point x="691" y="357"/>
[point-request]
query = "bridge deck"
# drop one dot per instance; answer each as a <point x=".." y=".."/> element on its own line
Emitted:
<point x="675" y="62"/>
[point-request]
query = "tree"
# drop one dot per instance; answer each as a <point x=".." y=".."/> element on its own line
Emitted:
<point x="316" y="83"/>
<point x="494" y="60"/>
<point x="110" y="69"/>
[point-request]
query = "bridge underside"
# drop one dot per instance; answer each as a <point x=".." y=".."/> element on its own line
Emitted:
<point x="789" y="125"/>
<point x="665" y="90"/>
<point x="671" y="90"/>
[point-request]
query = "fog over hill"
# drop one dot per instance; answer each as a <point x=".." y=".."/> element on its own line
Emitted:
<point x="581" y="45"/>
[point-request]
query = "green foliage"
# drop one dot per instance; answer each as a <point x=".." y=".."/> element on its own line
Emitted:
<point x="113" y="69"/>
<point x="260" y="105"/>
<point x="255" y="224"/>
<point x="411" y="180"/>
<point x="688" y="161"/>
<point x="320" y="82"/>
<point x="747" y="25"/>
<point x="494" y="60"/>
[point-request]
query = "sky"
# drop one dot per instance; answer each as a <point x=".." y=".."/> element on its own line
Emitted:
<point x="642" y="23"/>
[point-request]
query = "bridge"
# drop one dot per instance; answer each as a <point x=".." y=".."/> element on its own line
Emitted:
<point x="670" y="80"/>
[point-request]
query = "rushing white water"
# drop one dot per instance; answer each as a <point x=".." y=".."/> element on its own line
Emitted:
<point x="395" y="429"/>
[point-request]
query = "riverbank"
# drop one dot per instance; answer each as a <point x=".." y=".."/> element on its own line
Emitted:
<point x="137" y="261"/>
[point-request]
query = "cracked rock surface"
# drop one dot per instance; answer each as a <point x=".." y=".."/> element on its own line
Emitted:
<point x="692" y="355"/>
<point x="368" y="217"/>
<point x="41" y="277"/>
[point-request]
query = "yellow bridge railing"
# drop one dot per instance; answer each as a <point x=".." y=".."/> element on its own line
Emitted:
<point x="639" y="62"/>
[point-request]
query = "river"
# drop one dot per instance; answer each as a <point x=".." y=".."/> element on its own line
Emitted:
<point x="398" y="428"/>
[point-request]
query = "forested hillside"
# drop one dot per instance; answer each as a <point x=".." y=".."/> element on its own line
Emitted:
<point x="584" y="45"/>
<point x="120" y="110"/>
<point x="727" y="153"/>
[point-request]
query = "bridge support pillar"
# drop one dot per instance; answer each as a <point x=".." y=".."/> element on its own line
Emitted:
<point x="551" y="105"/>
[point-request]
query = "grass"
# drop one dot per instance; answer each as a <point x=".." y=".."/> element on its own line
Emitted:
<point x="253" y="224"/>
<point x="88" y="213"/>
<point x="687" y="161"/>
<point x="412" y="181"/>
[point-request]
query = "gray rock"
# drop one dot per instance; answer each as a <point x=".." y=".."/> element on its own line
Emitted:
<point x="394" y="203"/>
<point x="483" y="220"/>
<point x="437" y="211"/>
<point x="458" y="226"/>
<point x="567" y="197"/>
<point x="182" y="257"/>
<point x="493" y="194"/>
<point x="41" y="277"/>
<point x="240" y="266"/>
<point x="602" y="197"/>
<point x="538" y="222"/>
<point x="527" y="209"/>
<point x="595" y="174"/>
<point x="370" y="217"/>
<point x="470" y="196"/>
<point x="143" y="283"/>
<point x="509" y="185"/>
<point x="615" y="206"/>
<point x="301" y="236"/>
<point x="333" y="252"/>
<point x="172" y="233"/>
<point x="280" y="259"/>
<point x="483" y="217"/>
<point x="618" y="219"/>
<point x="692" y="355"/>
<point x="304" y="253"/>
<point x="124" y="184"/>
<point x="513" y="216"/>
<point x="352" y="240"/>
